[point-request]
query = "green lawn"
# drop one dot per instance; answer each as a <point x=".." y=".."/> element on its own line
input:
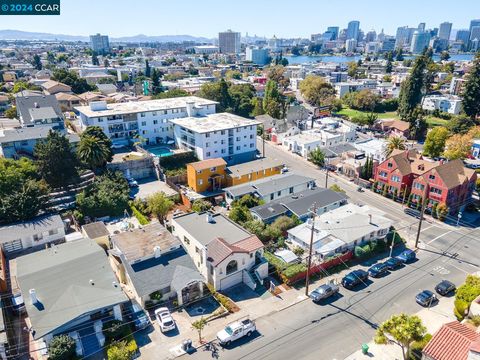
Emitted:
<point x="435" y="121"/>
<point x="351" y="113"/>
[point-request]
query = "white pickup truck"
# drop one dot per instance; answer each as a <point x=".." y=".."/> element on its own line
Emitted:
<point x="235" y="331"/>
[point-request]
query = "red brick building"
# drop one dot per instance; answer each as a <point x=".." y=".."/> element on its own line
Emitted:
<point x="450" y="183"/>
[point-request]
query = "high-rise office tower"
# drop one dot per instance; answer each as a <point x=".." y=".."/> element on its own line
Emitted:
<point x="353" y="30"/>
<point x="445" y="30"/>
<point x="99" y="43"/>
<point x="229" y="42"/>
<point x="421" y="26"/>
<point x="334" y="31"/>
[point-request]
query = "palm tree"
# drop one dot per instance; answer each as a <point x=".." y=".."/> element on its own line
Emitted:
<point x="395" y="142"/>
<point x="93" y="152"/>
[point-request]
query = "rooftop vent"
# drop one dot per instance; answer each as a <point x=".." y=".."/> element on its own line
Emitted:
<point x="33" y="296"/>
<point x="98" y="105"/>
<point x="157" y="251"/>
<point x="91" y="282"/>
<point x="209" y="218"/>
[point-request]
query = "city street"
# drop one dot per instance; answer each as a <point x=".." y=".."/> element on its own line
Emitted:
<point x="336" y="329"/>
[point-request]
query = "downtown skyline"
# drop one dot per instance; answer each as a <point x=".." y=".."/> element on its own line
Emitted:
<point x="109" y="17"/>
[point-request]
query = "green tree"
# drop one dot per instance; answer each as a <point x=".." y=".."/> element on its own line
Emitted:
<point x="159" y="205"/>
<point x="22" y="192"/>
<point x="119" y="351"/>
<point x="317" y="91"/>
<point x="95" y="59"/>
<point x="95" y="148"/>
<point x="173" y="93"/>
<point x="444" y="55"/>
<point x="277" y="74"/>
<point x="399" y="56"/>
<point x="62" y="347"/>
<point x="107" y="196"/>
<point x="317" y="156"/>
<point x="435" y="141"/>
<point x="240" y="214"/>
<point x="255" y="227"/>
<point x="11" y="113"/>
<point x="248" y="201"/>
<point x="199" y="325"/>
<point x="388" y="67"/>
<point x="471" y="90"/>
<point x="201" y="205"/>
<point x="257" y="104"/>
<point x="458" y="146"/>
<point x="272" y="101"/>
<point x="148" y="69"/>
<point x="37" y="63"/>
<point x="56" y="159"/>
<point x="461" y="124"/>
<point x="402" y="330"/>
<point x="156" y="84"/>
<point x="241" y="96"/>
<point x="217" y="92"/>
<point x="336" y="188"/>
<point x="71" y="79"/>
<point x="352" y="69"/>
<point x="393" y="143"/>
<point x="411" y="89"/>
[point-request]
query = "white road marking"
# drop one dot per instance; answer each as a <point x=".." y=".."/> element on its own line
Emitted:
<point x="428" y="227"/>
<point x="439" y="236"/>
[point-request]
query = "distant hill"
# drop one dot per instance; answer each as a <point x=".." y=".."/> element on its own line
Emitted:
<point x="25" y="35"/>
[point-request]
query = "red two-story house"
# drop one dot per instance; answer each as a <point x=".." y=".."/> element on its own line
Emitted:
<point x="450" y="183"/>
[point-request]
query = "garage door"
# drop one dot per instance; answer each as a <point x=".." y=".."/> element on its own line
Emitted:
<point x="231" y="280"/>
<point x="12" y="246"/>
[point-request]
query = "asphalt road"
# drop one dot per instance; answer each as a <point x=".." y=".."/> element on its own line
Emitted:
<point x="337" y="328"/>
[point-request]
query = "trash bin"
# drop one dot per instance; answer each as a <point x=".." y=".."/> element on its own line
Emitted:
<point x="364" y="349"/>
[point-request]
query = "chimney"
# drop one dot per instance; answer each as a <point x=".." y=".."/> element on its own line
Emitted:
<point x="191" y="109"/>
<point x="33" y="296"/>
<point x="157" y="251"/>
<point x="369" y="218"/>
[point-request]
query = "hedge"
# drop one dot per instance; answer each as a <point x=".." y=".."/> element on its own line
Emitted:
<point x="294" y="270"/>
<point x="277" y="263"/>
<point x="142" y="219"/>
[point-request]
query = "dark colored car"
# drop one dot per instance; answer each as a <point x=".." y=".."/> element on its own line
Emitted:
<point x="354" y="278"/>
<point x="445" y="287"/>
<point x="393" y="263"/>
<point x="407" y="256"/>
<point x="378" y="270"/>
<point x="426" y="298"/>
<point x="412" y="212"/>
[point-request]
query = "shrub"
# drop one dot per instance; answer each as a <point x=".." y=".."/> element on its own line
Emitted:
<point x="115" y="330"/>
<point x="359" y="252"/>
<point x="465" y="294"/>
<point x="475" y="320"/>
<point x="460" y="309"/>
<point x="156" y="296"/>
<point x="61" y="347"/>
<point x="122" y="350"/>
<point x="293" y="270"/>
<point x="200" y="205"/>
<point x="140" y="217"/>
<point x="298" y="251"/>
<point x="277" y="263"/>
<point x="417" y="347"/>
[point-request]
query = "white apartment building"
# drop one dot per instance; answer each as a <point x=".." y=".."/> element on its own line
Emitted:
<point x="223" y="135"/>
<point x="229" y="42"/>
<point x="256" y="55"/>
<point x="343" y="88"/>
<point x="122" y="122"/>
<point x="448" y="104"/>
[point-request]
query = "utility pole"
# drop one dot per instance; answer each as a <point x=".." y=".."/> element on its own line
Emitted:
<point x="393" y="242"/>
<point x="421" y="218"/>
<point x="263" y="140"/>
<point x="309" y="263"/>
<point x="326" y="175"/>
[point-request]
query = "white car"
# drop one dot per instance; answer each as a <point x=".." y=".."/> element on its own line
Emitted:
<point x="235" y="331"/>
<point x="164" y="319"/>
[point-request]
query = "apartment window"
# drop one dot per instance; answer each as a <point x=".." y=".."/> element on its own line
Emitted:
<point x="200" y="182"/>
<point x="271" y="196"/>
<point x="223" y="151"/>
<point x="197" y="250"/>
<point x="290" y="190"/>
<point x="238" y="129"/>
<point x="251" y="127"/>
<point x="144" y="123"/>
<point x="207" y="144"/>
<point x="155" y="122"/>
<point x="395" y="178"/>
<point x="142" y="115"/>
<point x="37" y="237"/>
<point x="211" y="269"/>
<point x="431" y="177"/>
<point x="238" y="147"/>
<point x="222" y="132"/>
<point x="213" y="169"/>
<point x="436" y="191"/>
<point x="186" y="240"/>
<point x="154" y="113"/>
<point x="390" y="165"/>
<point x="100" y="120"/>
<point x="251" y="136"/>
<point x="279" y="193"/>
<point x="207" y="135"/>
<point x="383" y="174"/>
<point x="208" y="154"/>
<point x="52" y="232"/>
<point x="238" y="138"/>
<point x="199" y="171"/>
<point x="251" y="255"/>
<point x="252" y="145"/>
<point x="222" y="142"/>
<point x="418" y="186"/>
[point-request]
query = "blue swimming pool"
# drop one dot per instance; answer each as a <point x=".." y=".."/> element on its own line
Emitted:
<point x="160" y="151"/>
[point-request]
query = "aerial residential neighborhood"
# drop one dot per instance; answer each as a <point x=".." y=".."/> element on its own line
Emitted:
<point x="272" y="181"/>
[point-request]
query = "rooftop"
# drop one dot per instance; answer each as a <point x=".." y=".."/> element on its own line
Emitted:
<point x="142" y="106"/>
<point x="30" y="133"/>
<point x="253" y="166"/>
<point x="95" y="230"/>
<point x="204" y="231"/>
<point x="69" y="280"/>
<point x="207" y="164"/>
<point x="214" y="122"/>
<point x="27" y="228"/>
<point x="140" y="243"/>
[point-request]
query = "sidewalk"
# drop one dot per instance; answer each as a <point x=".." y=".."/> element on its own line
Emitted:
<point x="432" y="319"/>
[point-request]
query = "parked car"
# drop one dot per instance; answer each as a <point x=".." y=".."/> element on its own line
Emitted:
<point x="426" y="298"/>
<point x="354" y="278"/>
<point x="412" y="212"/>
<point x="140" y="319"/>
<point x="378" y="270"/>
<point x="132" y="182"/>
<point x="284" y="169"/>
<point x="445" y="287"/>
<point x="360" y="189"/>
<point x="407" y="256"/>
<point x="164" y="319"/>
<point x="235" y="331"/>
<point x="324" y="291"/>
<point x="393" y="263"/>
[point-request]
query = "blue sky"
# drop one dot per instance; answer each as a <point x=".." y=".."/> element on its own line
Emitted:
<point x="284" y="18"/>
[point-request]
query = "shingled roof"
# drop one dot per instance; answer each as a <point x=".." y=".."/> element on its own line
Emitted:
<point x="218" y="249"/>
<point x="454" y="173"/>
<point x="452" y="342"/>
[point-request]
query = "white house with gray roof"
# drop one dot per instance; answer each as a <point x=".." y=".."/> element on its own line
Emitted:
<point x="223" y="252"/>
<point x="341" y="229"/>
<point x="33" y="233"/>
<point x="70" y="289"/>
<point x="271" y="188"/>
<point x="37" y="109"/>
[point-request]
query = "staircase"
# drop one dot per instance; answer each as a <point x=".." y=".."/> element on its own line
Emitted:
<point x="89" y="342"/>
<point x="259" y="288"/>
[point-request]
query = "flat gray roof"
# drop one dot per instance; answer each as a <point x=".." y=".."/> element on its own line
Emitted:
<point x="269" y="185"/>
<point x="61" y="278"/>
<point x="253" y="166"/>
<point x="214" y="122"/>
<point x="221" y="227"/>
<point x="31" y="133"/>
<point x="42" y="113"/>
<point x="27" y="228"/>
